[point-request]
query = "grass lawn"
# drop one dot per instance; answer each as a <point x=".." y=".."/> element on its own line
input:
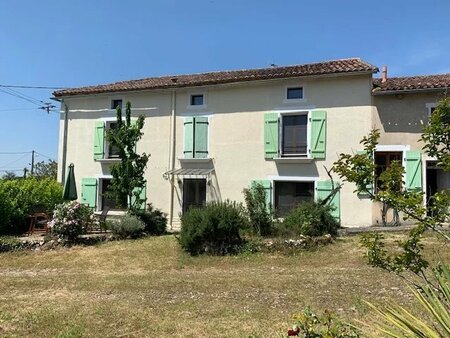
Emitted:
<point x="149" y="288"/>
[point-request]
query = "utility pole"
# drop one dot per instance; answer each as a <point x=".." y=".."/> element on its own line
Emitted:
<point x="32" y="162"/>
<point x="25" y="172"/>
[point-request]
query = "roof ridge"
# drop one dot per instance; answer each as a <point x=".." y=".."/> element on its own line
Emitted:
<point x="412" y="76"/>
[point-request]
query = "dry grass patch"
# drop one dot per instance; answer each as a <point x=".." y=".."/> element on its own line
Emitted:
<point x="149" y="288"/>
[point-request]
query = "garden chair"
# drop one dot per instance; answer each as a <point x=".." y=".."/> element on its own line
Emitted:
<point x="39" y="219"/>
<point x="102" y="219"/>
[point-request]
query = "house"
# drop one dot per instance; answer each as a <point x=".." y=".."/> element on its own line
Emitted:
<point x="211" y="135"/>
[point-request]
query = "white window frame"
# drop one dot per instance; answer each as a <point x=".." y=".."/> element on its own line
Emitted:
<point x="113" y="98"/>
<point x="309" y="179"/>
<point x="393" y="148"/>
<point x="430" y="106"/>
<point x="308" y="133"/>
<point x="106" y="122"/>
<point x="293" y="101"/>
<point x="99" y="179"/>
<point x="195" y="93"/>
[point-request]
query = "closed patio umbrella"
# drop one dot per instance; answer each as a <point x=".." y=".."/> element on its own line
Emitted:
<point x="70" y="188"/>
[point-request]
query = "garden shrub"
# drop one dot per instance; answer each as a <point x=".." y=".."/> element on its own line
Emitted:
<point x="212" y="229"/>
<point x="19" y="196"/>
<point x="70" y="219"/>
<point x="9" y="243"/>
<point x="309" y="219"/>
<point x="128" y="226"/>
<point x="155" y="220"/>
<point x="6" y="213"/>
<point x="258" y="212"/>
<point x="311" y="325"/>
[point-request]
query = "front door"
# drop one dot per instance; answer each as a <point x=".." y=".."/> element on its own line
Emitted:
<point x="194" y="193"/>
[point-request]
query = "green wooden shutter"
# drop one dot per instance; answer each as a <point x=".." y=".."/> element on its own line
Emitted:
<point x="318" y="134"/>
<point x="268" y="189"/>
<point x="271" y="130"/>
<point x="89" y="191"/>
<point x="324" y="189"/>
<point x="142" y="197"/>
<point x="413" y="169"/>
<point x="369" y="186"/>
<point x="99" y="140"/>
<point x="188" y="137"/>
<point x="200" y="137"/>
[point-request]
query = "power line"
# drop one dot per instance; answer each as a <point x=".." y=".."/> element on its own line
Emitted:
<point x="17" y="109"/>
<point x="21" y="97"/>
<point x="43" y="155"/>
<point x="15" y="152"/>
<point x="31" y="87"/>
<point x="14" y="161"/>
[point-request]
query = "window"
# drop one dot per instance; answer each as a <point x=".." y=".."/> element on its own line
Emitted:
<point x="294" y="135"/>
<point x="294" y="93"/>
<point x="289" y="194"/>
<point x="109" y="201"/>
<point x="102" y="149"/>
<point x="196" y="137"/>
<point x="383" y="160"/>
<point x="301" y="134"/>
<point x="196" y="100"/>
<point x="116" y="103"/>
<point x="112" y="151"/>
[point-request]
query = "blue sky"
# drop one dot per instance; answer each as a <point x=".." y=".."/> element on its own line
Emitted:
<point x="76" y="43"/>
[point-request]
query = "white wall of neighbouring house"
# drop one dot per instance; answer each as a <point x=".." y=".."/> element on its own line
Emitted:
<point x="236" y="135"/>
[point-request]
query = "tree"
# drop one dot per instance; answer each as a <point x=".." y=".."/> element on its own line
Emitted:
<point x="360" y="170"/>
<point x="9" y="175"/>
<point x="128" y="175"/>
<point x="44" y="170"/>
<point x="433" y="293"/>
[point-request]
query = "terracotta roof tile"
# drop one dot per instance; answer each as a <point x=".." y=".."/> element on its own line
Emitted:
<point x="411" y="83"/>
<point x="212" y="78"/>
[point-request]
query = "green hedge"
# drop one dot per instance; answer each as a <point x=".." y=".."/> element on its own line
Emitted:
<point x="213" y="229"/>
<point x="18" y="197"/>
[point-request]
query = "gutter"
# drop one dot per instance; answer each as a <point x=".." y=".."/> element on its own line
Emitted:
<point x="172" y="155"/>
<point x="379" y="92"/>
<point x="64" y="145"/>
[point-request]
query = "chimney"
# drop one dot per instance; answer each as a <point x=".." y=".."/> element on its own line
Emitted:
<point x="384" y="74"/>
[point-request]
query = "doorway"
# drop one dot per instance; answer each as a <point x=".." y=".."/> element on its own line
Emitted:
<point x="437" y="180"/>
<point x="194" y="193"/>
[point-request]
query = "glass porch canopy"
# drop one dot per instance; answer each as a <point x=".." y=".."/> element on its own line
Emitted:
<point x="188" y="172"/>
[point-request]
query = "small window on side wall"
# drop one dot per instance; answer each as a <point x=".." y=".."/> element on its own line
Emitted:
<point x="196" y="100"/>
<point x="294" y="93"/>
<point x="116" y="103"/>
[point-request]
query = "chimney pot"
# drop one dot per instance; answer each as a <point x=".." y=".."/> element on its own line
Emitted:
<point x="384" y="74"/>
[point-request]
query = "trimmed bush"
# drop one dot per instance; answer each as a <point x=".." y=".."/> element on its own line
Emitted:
<point x="70" y="220"/>
<point x="309" y="219"/>
<point x="155" y="220"/>
<point x="19" y="196"/>
<point x="128" y="226"/>
<point x="258" y="212"/>
<point x="213" y="229"/>
<point x="9" y="244"/>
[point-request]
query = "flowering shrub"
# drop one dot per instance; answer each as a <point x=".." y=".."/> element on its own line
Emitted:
<point x="310" y="325"/>
<point x="70" y="220"/>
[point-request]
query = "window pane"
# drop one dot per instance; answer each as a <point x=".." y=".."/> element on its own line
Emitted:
<point x="196" y="100"/>
<point x="383" y="160"/>
<point x="108" y="201"/>
<point x="289" y="194"/>
<point x="295" y="134"/>
<point x="294" y="93"/>
<point x="116" y="103"/>
<point x="113" y="151"/>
